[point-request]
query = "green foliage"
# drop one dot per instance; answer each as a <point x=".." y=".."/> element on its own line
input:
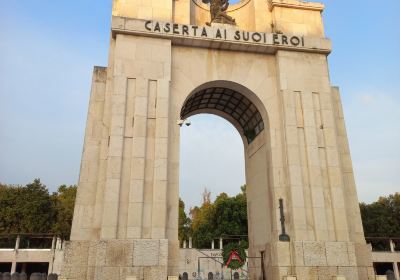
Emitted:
<point x="184" y="222"/>
<point x="202" y="223"/>
<point x="64" y="201"/>
<point x="25" y="209"/>
<point x="225" y="216"/>
<point x="382" y="218"/>
<point x="31" y="209"/>
<point x="240" y="249"/>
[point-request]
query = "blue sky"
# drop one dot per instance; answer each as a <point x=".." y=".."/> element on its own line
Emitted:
<point x="47" y="52"/>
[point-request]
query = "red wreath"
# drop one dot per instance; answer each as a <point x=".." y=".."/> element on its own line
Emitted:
<point x="234" y="256"/>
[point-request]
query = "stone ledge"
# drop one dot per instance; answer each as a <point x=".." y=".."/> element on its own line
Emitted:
<point x="294" y="4"/>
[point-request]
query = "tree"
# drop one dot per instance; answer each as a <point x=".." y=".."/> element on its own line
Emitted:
<point x="31" y="209"/>
<point x="63" y="203"/>
<point x="382" y="218"/>
<point x="25" y="209"/>
<point x="184" y="222"/>
<point x="231" y="215"/>
<point x="202" y="218"/>
<point x="225" y="216"/>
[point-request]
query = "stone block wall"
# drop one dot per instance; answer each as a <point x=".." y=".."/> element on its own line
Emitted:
<point x="115" y="259"/>
<point x="320" y="260"/>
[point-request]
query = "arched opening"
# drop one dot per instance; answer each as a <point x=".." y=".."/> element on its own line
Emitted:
<point x="185" y="276"/>
<point x="236" y="276"/>
<point x="242" y="108"/>
<point x="210" y="276"/>
<point x="225" y="101"/>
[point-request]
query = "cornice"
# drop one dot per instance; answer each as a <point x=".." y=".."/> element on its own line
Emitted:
<point x="294" y="4"/>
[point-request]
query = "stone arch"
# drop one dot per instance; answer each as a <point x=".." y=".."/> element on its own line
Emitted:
<point x="185" y="276"/>
<point x="245" y="111"/>
<point x="210" y="276"/>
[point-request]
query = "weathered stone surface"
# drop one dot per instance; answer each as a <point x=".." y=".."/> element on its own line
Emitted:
<point x="298" y="253"/>
<point x="91" y="273"/>
<point x="97" y="253"/>
<point x="74" y="271"/>
<point x="131" y="272"/>
<point x="163" y="254"/>
<point x="76" y="253"/>
<point x="146" y="252"/>
<point x="119" y="253"/>
<point x="363" y="255"/>
<point x="349" y="272"/>
<point x="108" y="273"/>
<point x="307" y="273"/>
<point x="336" y="253"/>
<point x="326" y="272"/>
<point x="283" y="249"/>
<point x="314" y="254"/>
<point x="351" y="251"/>
<point x="154" y="272"/>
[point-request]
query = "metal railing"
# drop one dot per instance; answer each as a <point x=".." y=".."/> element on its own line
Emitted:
<point x="29" y="241"/>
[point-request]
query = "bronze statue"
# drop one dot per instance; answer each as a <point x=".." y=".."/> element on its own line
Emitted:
<point x="218" y="12"/>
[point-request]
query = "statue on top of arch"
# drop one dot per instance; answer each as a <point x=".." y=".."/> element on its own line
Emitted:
<point x="218" y="13"/>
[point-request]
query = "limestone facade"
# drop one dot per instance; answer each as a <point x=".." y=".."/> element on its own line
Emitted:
<point x="275" y="58"/>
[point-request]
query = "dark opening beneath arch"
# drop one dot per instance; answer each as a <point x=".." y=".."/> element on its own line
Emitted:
<point x="231" y="102"/>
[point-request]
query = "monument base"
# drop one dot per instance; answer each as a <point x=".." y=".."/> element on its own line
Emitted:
<point x="116" y="259"/>
<point x="311" y="260"/>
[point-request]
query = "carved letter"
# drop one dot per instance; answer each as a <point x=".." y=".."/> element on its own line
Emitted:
<point x="276" y="39"/>
<point x="195" y="30"/>
<point x="237" y="35"/>
<point x="295" y="41"/>
<point x="167" y="27"/>
<point x="256" y="37"/>
<point x="147" y="25"/>
<point x="218" y="35"/>
<point x="246" y="38"/>
<point x="204" y="32"/>
<point x="284" y="40"/>
<point x="185" y="30"/>
<point x="157" y="27"/>
<point x="175" y="27"/>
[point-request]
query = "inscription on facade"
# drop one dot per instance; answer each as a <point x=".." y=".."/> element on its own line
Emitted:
<point x="223" y="34"/>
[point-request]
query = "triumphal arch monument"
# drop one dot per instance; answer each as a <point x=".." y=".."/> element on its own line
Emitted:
<point x="261" y="65"/>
